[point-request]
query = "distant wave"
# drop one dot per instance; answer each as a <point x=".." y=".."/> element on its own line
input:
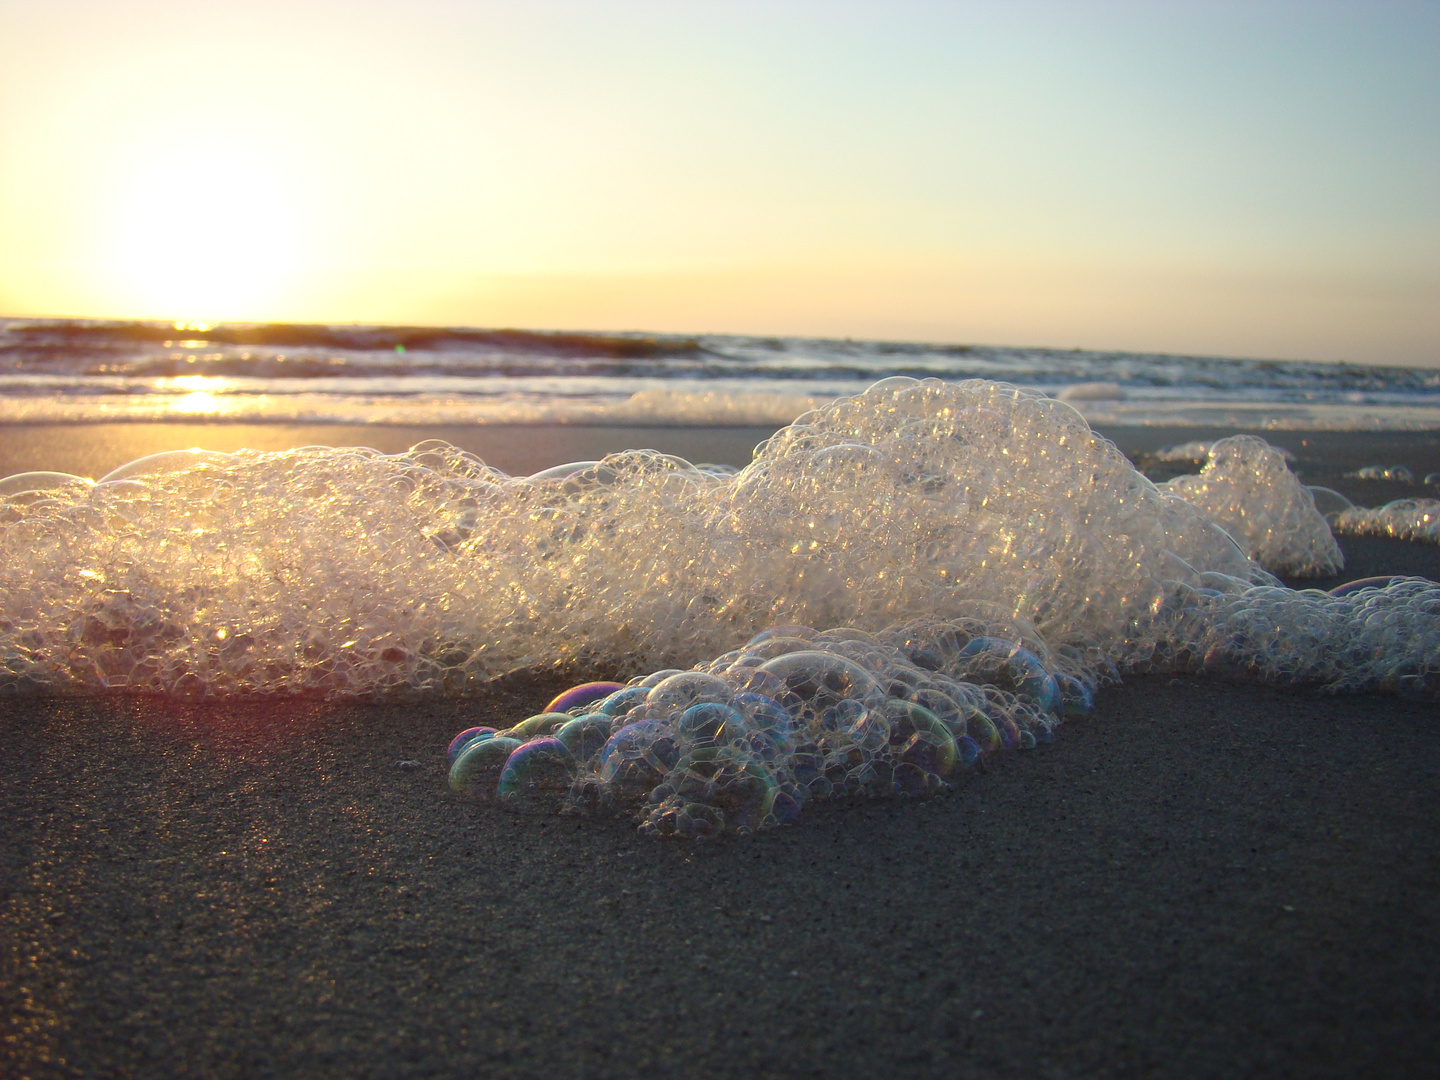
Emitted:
<point x="38" y="340"/>
<point x="308" y="351"/>
<point x="73" y="369"/>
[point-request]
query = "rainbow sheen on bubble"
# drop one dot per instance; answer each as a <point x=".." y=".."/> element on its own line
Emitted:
<point x="584" y="694"/>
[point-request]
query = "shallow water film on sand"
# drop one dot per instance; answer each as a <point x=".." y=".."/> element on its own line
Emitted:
<point x="899" y="584"/>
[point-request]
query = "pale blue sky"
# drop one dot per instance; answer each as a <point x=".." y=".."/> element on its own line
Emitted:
<point x="1257" y="179"/>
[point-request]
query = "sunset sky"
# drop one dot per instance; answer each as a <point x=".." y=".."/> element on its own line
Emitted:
<point x="1257" y="179"/>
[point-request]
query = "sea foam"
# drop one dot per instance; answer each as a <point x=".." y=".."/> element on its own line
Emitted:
<point x="1403" y="519"/>
<point x="955" y="566"/>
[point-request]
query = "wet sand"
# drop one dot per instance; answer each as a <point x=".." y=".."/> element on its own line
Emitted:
<point x="1201" y="879"/>
<point x="94" y="449"/>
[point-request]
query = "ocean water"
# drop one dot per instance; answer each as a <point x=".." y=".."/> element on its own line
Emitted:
<point x="904" y="581"/>
<point x="85" y="370"/>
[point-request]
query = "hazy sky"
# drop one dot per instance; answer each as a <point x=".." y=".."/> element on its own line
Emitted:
<point x="1254" y="178"/>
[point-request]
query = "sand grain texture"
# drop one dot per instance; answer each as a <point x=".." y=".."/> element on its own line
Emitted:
<point x="1202" y="880"/>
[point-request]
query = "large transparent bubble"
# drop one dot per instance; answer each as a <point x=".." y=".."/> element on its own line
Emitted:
<point x="900" y="583"/>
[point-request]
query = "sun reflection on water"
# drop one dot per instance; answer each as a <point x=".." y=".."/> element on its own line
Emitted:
<point x="205" y="396"/>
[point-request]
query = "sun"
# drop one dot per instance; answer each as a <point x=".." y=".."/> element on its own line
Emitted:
<point x="202" y="235"/>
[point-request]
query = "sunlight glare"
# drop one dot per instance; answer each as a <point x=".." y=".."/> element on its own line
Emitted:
<point x="197" y="404"/>
<point x="205" y="397"/>
<point x="204" y="236"/>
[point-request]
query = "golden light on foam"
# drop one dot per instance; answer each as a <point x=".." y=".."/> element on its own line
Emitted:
<point x="202" y="233"/>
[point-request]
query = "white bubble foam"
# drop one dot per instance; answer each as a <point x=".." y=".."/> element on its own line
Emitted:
<point x="1403" y="519"/>
<point x="974" y="549"/>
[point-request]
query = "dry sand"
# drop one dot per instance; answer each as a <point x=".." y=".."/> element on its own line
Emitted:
<point x="1200" y="880"/>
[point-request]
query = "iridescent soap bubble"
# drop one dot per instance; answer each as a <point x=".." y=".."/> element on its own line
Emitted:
<point x="166" y="462"/>
<point x="1362" y="583"/>
<point x="1076" y="699"/>
<point x="683" y="689"/>
<point x="819" y="680"/>
<point x="635" y="759"/>
<point x="585" y="736"/>
<point x="1013" y="667"/>
<point x="563" y="472"/>
<point x="459" y="742"/>
<point x="584" y="694"/>
<point x="476" y="770"/>
<point x="982" y="733"/>
<point x="623" y="701"/>
<point x="765" y="715"/>
<point x="710" y="724"/>
<point x="920" y="737"/>
<point x="19" y="483"/>
<point x="537" y="776"/>
<point x="793" y="632"/>
<point x="539" y="724"/>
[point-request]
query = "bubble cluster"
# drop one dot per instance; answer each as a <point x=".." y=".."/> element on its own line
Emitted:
<point x="794" y="714"/>
<point x="1197" y="451"/>
<point x="1398" y="473"/>
<point x="744" y="741"/>
<point x="1403" y="519"/>
<point x="1385" y="637"/>
<point x="974" y="542"/>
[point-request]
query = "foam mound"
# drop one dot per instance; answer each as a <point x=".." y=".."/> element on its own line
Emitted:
<point x="1247" y="489"/>
<point x="1403" y="519"/>
<point x="955" y="561"/>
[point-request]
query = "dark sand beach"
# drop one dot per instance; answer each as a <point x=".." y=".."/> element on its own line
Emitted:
<point x="1200" y="879"/>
